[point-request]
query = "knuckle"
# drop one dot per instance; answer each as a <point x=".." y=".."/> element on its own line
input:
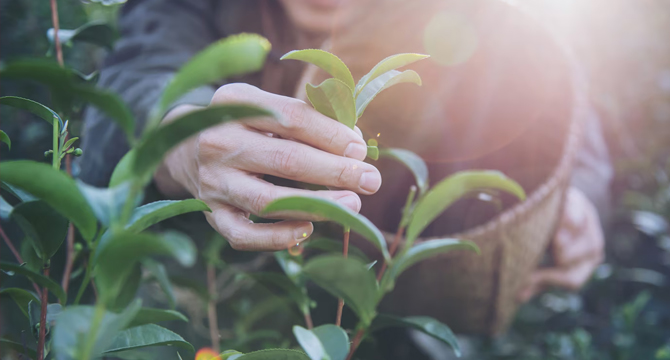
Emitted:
<point x="236" y="239"/>
<point x="232" y="92"/>
<point x="294" y="114"/>
<point x="289" y="162"/>
<point x="259" y="201"/>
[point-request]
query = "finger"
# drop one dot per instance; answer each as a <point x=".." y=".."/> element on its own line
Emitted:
<point x="295" y="161"/>
<point x="243" y="234"/>
<point x="570" y="249"/>
<point x="571" y="279"/>
<point x="253" y="195"/>
<point x="297" y="120"/>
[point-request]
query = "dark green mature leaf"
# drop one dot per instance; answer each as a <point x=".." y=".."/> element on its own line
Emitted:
<point x="38" y="279"/>
<point x="21" y="298"/>
<point x="413" y="162"/>
<point x="5" y="208"/>
<point x="155" y="212"/>
<point x="73" y="333"/>
<point x="29" y="256"/>
<point x="55" y="188"/>
<point x="157" y="143"/>
<point x="424" y="324"/>
<point x="332" y="211"/>
<point x="381" y="83"/>
<point x="5" y="139"/>
<point x="128" y="289"/>
<point x="107" y="203"/>
<point x="234" y="55"/>
<point x="110" y="104"/>
<point x="117" y="257"/>
<point x="349" y="279"/>
<point x="390" y="63"/>
<point x="334" y="246"/>
<point x="282" y="282"/>
<point x="59" y="80"/>
<point x="422" y="251"/>
<point x="149" y="316"/>
<point x="35" y="313"/>
<point x="273" y="354"/>
<point x="145" y="336"/>
<point x="449" y="190"/>
<point x="34" y="107"/>
<point x="19" y="348"/>
<point x="17" y="192"/>
<point x="325" y="342"/>
<point x="94" y="32"/>
<point x="157" y="270"/>
<point x="42" y="225"/>
<point x="326" y="61"/>
<point x="334" y="99"/>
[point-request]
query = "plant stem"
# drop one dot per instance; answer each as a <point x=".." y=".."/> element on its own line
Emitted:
<point x="355" y="343"/>
<point x="55" y="156"/>
<point x="211" y="308"/>
<point x="308" y="321"/>
<point x="406" y="212"/>
<point x="84" y="283"/>
<point x="54" y="20"/>
<point x="43" y="317"/>
<point x="345" y="253"/>
<point x="17" y="256"/>
<point x="65" y="283"/>
<point x="392" y="250"/>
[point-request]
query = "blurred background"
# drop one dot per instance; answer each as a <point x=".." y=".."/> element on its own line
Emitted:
<point x="624" y="312"/>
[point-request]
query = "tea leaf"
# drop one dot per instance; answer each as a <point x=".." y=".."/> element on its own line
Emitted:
<point x="273" y="354"/>
<point x="334" y="99"/>
<point x="373" y="152"/>
<point x="449" y="190"/>
<point x="158" y="271"/>
<point x="55" y="188"/>
<point x="38" y="279"/>
<point x="155" y="212"/>
<point x="5" y="139"/>
<point x="150" y="315"/>
<point x="21" y="298"/>
<point x="73" y="333"/>
<point x="332" y="211"/>
<point x="334" y="246"/>
<point x="94" y="32"/>
<point x="19" y="348"/>
<point x="234" y="55"/>
<point x="413" y="162"/>
<point x="282" y="282"/>
<point x="145" y="336"/>
<point x="425" y="324"/>
<point x="34" y="107"/>
<point x="381" y="83"/>
<point x="128" y="289"/>
<point x="35" y="312"/>
<point x="42" y="225"/>
<point x="5" y="209"/>
<point x="390" y="63"/>
<point x="346" y="278"/>
<point x="69" y="143"/>
<point x="107" y="203"/>
<point x="421" y="252"/>
<point x="156" y="144"/>
<point x="123" y="171"/>
<point x="325" y="342"/>
<point x="326" y="61"/>
<point x="59" y="80"/>
<point x="110" y="104"/>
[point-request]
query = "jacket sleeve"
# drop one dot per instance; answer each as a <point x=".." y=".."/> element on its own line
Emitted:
<point x="157" y="37"/>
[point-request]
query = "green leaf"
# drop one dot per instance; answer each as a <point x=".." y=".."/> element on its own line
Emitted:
<point x="17" y="192"/>
<point x="43" y="226"/>
<point x="21" y="298"/>
<point x="59" y="80"/>
<point x="373" y="152"/>
<point x="5" y="139"/>
<point x="73" y="333"/>
<point x="157" y="143"/>
<point x="35" y="313"/>
<point x="420" y="252"/>
<point x="128" y="289"/>
<point x="110" y="104"/>
<point x="230" y="355"/>
<point x="150" y="315"/>
<point x="273" y="354"/>
<point x="449" y="190"/>
<point x="390" y="63"/>
<point x="158" y="271"/>
<point x="123" y="250"/>
<point x="19" y="348"/>
<point x="69" y="143"/>
<point x="425" y="324"/>
<point x="413" y="162"/>
<point x="346" y="278"/>
<point x="334" y="99"/>
<point x="5" y="208"/>
<point x="234" y="55"/>
<point x="332" y="211"/>
<point x="38" y="279"/>
<point x="144" y="336"/>
<point x="291" y="265"/>
<point x="34" y="107"/>
<point x="95" y="32"/>
<point x="326" y="61"/>
<point x="155" y="212"/>
<point x="334" y="246"/>
<point x="55" y="188"/>
<point x="31" y="260"/>
<point x="282" y="282"/>
<point x="106" y="203"/>
<point x="123" y="171"/>
<point x="381" y="83"/>
<point x="325" y="342"/>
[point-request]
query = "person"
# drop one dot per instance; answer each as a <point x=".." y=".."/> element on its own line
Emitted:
<point x="228" y="166"/>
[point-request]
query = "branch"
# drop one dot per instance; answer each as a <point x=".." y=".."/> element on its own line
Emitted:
<point x="17" y="256"/>
<point x="43" y="317"/>
<point x="345" y="253"/>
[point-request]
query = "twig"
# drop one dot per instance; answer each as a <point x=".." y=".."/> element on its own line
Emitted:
<point x="355" y="343"/>
<point x="211" y="308"/>
<point x="392" y="250"/>
<point x="54" y="19"/>
<point x="345" y="253"/>
<point x="65" y="283"/>
<point x="17" y="256"/>
<point x="43" y="317"/>
<point x="308" y="321"/>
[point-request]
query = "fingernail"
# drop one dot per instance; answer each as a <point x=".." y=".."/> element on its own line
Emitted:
<point x="370" y="181"/>
<point x="352" y="202"/>
<point x="303" y="232"/>
<point x="356" y="151"/>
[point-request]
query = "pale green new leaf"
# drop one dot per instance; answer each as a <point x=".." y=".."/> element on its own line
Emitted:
<point x="155" y="212"/>
<point x="5" y="139"/>
<point x="390" y="63"/>
<point x="38" y="279"/>
<point x="145" y="336"/>
<point x="325" y="342"/>
<point x="381" y="83"/>
<point x="454" y="187"/>
<point x="123" y="171"/>
<point x="425" y="324"/>
<point x="326" y="61"/>
<point x="334" y="99"/>
<point x="413" y="162"/>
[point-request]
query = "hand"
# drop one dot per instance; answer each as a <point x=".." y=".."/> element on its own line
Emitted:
<point x="223" y="166"/>
<point x="577" y="249"/>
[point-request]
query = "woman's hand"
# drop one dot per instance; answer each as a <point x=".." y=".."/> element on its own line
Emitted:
<point x="223" y="166"/>
<point x="577" y="249"/>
